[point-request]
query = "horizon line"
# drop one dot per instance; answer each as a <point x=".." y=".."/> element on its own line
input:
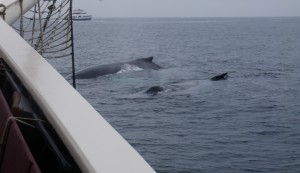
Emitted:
<point x="200" y="17"/>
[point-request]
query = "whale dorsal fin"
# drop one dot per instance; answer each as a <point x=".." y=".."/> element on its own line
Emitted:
<point x="149" y="59"/>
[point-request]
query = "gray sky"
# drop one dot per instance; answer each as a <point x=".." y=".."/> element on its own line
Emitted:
<point x="189" y="8"/>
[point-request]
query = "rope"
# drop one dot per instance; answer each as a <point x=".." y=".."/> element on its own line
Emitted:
<point x="59" y="50"/>
<point x="48" y="28"/>
<point x="50" y="8"/>
<point x="51" y="40"/>
<point x="20" y="120"/>
<point x="33" y="26"/>
<point x="41" y="31"/>
<point x="60" y="56"/>
<point x="3" y="12"/>
<point x="21" y="19"/>
<point x="72" y="36"/>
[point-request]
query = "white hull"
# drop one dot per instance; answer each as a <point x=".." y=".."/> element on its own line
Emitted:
<point x="79" y="14"/>
<point x="87" y="17"/>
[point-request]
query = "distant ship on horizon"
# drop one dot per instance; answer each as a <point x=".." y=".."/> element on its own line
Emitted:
<point x="79" y="14"/>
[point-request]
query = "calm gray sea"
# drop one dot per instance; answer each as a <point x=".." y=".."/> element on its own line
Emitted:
<point x="247" y="123"/>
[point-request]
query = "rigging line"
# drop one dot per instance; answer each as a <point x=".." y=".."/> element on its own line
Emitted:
<point x="40" y="20"/>
<point x="21" y="18"/>
<point x="41" y="31"/>
<point x="59" y="16"/>
<point x="3" y="13"/>
<point x="54" y="10"/>
<point x="28" y="24"/>
<point x="48" y="17"/>
<point x="50" y="38"/>
<point x="49" y="32"/>
<point x="15" y="28"/>
<point x="58" y="25"/>
<point x="50" y="28"/>
<point x="53" y="41"/>
<point x="22" y="22"/>
<point x="57" y="45"/>
<point x="51" y="7"/>
<point x="60" y="7"/>
<point x="65" y="12"/>
<point x="45" y="5"/>
<point x="30" y="119"/>
<point x="72" y="47"/>
<point x="60" y="56"/>
<point x="39" y="8"/>
<point x="57" y="19"/>
<point x="33" y="25"/>
<point x="59" y="11"/>
<point x="31" y="18"/>
<point x="5" y="131"/>
<point x="53" y="14"/>
<point x="57" y="42"/>
<point x="61" y="32"/>
<point x="55" y="51"/>
<point x="17" y="119"/>
<point x="68" y="29"/>
<point x="60" y="19"/>
<point x="25" y="31"/>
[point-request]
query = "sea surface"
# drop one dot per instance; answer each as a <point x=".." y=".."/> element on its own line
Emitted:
<point x="247" y="123"/>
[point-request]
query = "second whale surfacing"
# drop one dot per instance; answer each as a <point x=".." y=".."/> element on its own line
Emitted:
<point x="105" y="69"/>
<point x="154" y="90"/>
<point x="220" y="77"/>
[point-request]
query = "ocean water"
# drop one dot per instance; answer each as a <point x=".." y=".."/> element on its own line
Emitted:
<point x="247" y="123"/>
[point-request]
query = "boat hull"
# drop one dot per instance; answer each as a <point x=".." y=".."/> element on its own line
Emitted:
<point x="84" y="18"/>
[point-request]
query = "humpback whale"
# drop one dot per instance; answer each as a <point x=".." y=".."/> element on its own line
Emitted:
<point x="220" y="77"/>
<point x="154" y="90"/>
<point x="105" y="69"/>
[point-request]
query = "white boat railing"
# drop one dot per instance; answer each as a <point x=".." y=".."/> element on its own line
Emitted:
<point x="91" y="140"/>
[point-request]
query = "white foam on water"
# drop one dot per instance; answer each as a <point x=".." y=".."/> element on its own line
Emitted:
<point x="128" y="68"/>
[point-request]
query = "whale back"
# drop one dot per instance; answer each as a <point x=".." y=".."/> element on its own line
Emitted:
<point x="149" y="59"/>
<point x="98" y="70"/>
<point x="105" y="69"/>
<point x="146" y="63"/>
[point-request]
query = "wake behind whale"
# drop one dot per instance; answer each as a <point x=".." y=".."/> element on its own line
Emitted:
<point x="105" y="69"/>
